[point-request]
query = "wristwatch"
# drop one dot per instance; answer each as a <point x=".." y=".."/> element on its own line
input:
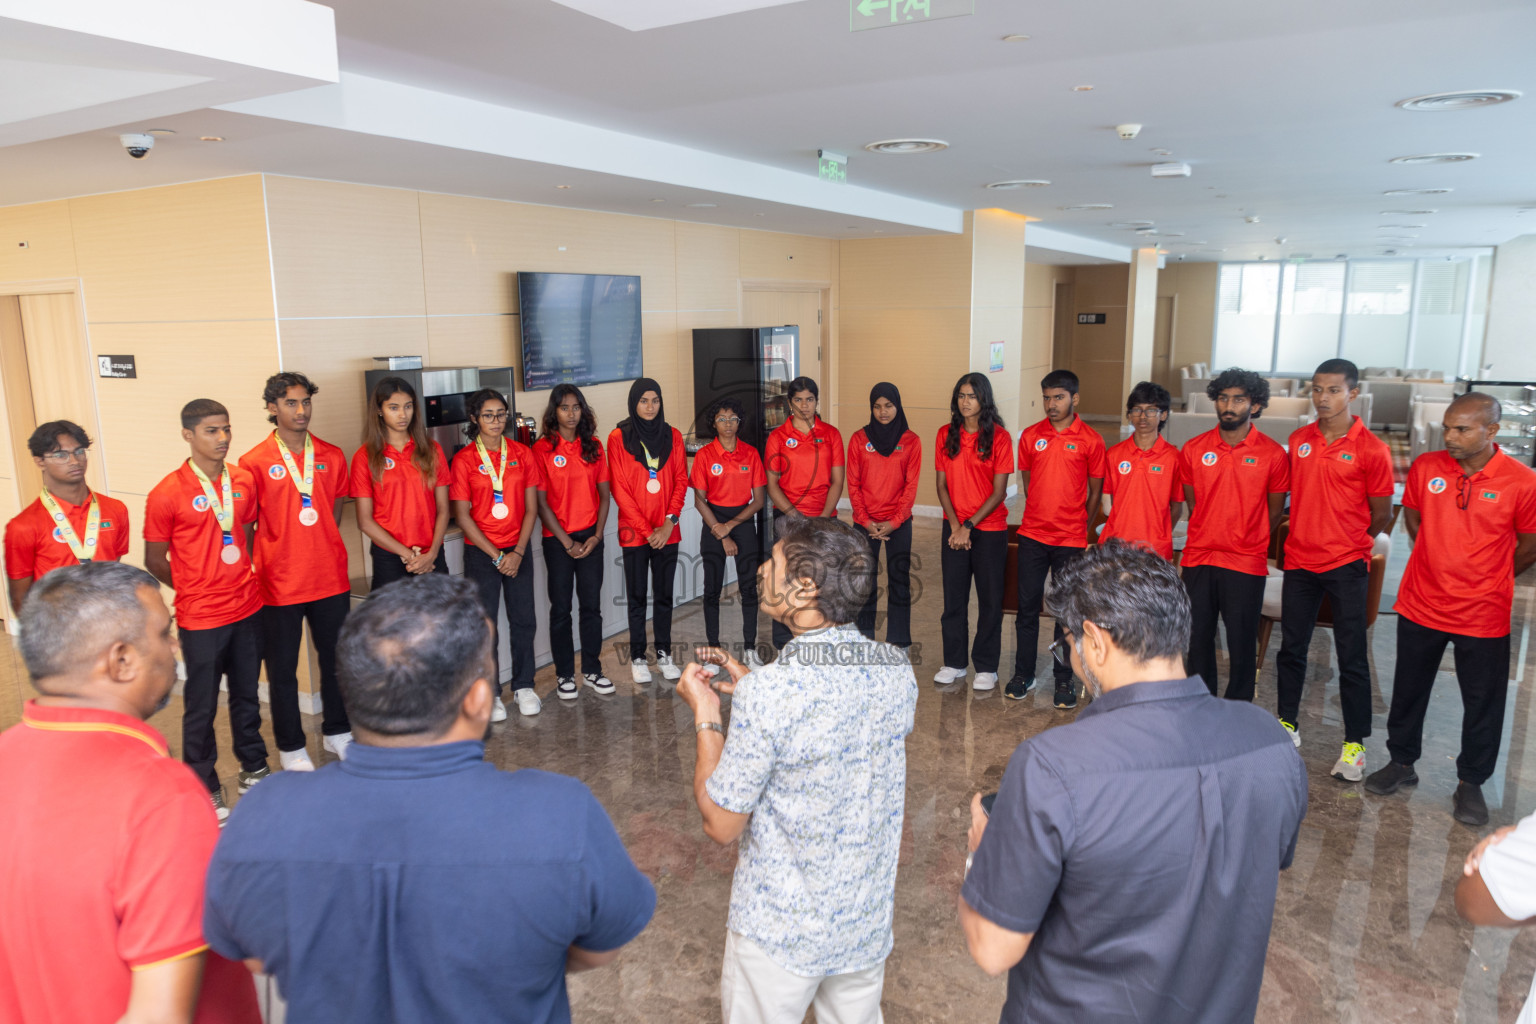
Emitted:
<point x="968" y="525"/>
<point x="710" y="726"/>
<point x="672" y="519"/>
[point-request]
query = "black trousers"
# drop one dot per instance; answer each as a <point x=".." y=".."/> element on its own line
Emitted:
<point x="1238" y="599"/>
<point x="387" y="567"/>
<point x="645" y="564"/>
<point x="778" y="631"/>
<point x="898" y="574"/>
<point x="282" y="627"/>
<point x="232" y="651"/>
<point x="584" y="576"/>
<point x="1347" y="589"/>
<point x="1482" y="672"/>
<point x="1036" y="562"/>
<point x="985" y="563"/>
<point x="748" y="557"/>
<point x="518" y="590"/>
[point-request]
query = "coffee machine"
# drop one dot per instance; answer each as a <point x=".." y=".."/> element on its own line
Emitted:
<point x="444" y="391"/>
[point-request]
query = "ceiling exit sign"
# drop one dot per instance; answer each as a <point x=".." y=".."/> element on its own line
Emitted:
<point x="832" y="166"/>
<point x="1092" y="318"/>
<point x="868" y="14"/>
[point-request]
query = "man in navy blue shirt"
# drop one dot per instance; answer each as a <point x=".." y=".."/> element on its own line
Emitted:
<point x="1129" y="867"/>
<point x="413" y="881"/>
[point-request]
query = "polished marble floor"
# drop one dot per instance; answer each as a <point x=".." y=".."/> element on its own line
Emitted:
<point x="1364" y="927"/>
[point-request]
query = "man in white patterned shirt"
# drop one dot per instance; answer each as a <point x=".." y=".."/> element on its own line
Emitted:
<point x="813" y="777"/>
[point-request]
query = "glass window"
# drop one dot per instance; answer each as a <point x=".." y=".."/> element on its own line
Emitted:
<point x="1376" y="313"/>
<point x="1247" y="294"/>
<point x="1311" y="305"/>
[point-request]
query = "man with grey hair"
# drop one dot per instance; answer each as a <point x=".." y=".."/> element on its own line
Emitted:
<point x="1129" y="866"/>
<point x="107" y="837"/>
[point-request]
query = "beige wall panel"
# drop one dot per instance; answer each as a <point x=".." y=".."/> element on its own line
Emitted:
<point x="344" y="250"/>
<point x="922" y="351"/>
<point x="1101" y="286"/>
<point x="194" y="252"/>
<point x="60" y="366"/>
<point x="474" y="341"/>
<point x="1100" y="392"/>
<point x="989" y="324"/>
<point x="998" y="258"/>
<point x="1099" y="342"/>
<point x="1030" y="409"/>
<point x="924" y="423"/>
<point x="1036" y="347"/>
<point x="766" y="255"/>
<point x="708" y="268"/>
<point x="335" y="354"/>
<point x="50" y="242"/>
<point x="1194" y="284"/>
<point x="1040" y="280"/>
<point x="924" y="270"/>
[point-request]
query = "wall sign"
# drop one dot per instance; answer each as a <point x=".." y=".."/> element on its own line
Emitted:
<point x="996" y="364"/>
<point x="867" y="14"/>
<point x="1092" y="318"/>
<point x="117" y="366"/>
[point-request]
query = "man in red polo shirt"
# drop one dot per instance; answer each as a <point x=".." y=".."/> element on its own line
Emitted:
<point x="1235" y="481"/>
<point x="1341" y="498"/>
<point x="1143" y="490"/>
<point x="198" y="524"/>
<point x="107" y="838"/>
<point x="301" y="564"/>
<point x="1471" y="513"/>
<point x="68" y="523"/>
<point x="1061" y="474"/>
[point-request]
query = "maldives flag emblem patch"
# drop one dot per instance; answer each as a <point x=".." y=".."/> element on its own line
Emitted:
<point x="1071" y="447"/>
<point x="1489" y="495"/>
<point x="1157" y="469"/>
<point x="1249" y="460"/>
<point x="1346" y="457"/>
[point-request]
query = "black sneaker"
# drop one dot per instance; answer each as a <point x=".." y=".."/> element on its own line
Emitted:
<point x="249" y="779"/>
<point x="1390" y="779"/>
<point x="1017" y="687"/>
<point x="1467" y="805"/>
<point x="1066" y="695"/>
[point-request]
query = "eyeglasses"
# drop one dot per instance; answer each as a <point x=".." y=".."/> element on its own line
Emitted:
<point x="727" y="419"/>
<point x="1463" y="492"/>
<point x="494" y="417"/>
<point x="62" y="456"/>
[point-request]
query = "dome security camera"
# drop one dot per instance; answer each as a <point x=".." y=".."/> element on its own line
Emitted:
<point x="138" y="144"/>
<point x="1127" y="131"/>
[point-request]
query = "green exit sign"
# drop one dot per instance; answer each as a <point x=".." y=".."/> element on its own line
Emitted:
<point x="868" y="14"/>
<point x="832" y="166"/>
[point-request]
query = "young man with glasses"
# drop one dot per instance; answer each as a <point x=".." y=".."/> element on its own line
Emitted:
<point x="1143" y="488"/>
<point x="68" y="523"/>
<point x="1471" y="513"/>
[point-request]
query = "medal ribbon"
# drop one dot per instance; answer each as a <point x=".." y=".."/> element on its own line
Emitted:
<point x="652" y="463"/>
<point x="306" y="483"/>
<point x="495" y="473"/>
<point x="83" y="552"/>
<point x="225" y="512"/>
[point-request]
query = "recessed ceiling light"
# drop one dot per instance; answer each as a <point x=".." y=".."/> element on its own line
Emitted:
<point x="1416" y="192"/>
<point x="759" y="215"/>
<point x="1163" y="152"/>
<point x="1173" y="234"/>
<point x="1146" y="231"/>
<point x="1407" y="213"/>
<point x="1385" y="227"/>
<point x="1301" y="256"/>
<point x="1459" y="100"/>
<point x="1213" y="250"/>
<point x="1132" y="224"/>
<point x="1088" y="206"/>
<point x="160" y="131"/>
<point x="210" y="138"/>
<point x="1018" y="183"/>
<point x="562" y="186"/>
<point x="1015" y="37"/>
<point x="1082" y="88"/>
<point x="1222" y="196"/>
<point x="905" y="146"/>
<point x="1434" y="158"/>
<point x="702" y="206"/>
<point x="853" y="227"/>
<point x="658" y="200"/>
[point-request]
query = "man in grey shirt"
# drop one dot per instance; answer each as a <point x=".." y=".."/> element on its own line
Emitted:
<point x="813" y="777"/>
<point x="1128" y="870"/>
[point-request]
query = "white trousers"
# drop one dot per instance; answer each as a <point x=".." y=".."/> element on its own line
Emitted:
<point x="755" y="990"/>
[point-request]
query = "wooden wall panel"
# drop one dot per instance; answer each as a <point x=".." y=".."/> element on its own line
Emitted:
<point x="474" y="341"/>
<point x="1195" y="312"/>
<point x="179" y="253"/>
<point x="335" y="354"/>
<point x="906" y="272"/>
<point x="921" y="351"/>
<point x="708" y="268"/>
<point x="60" y="366"/>
<point x="766" y="255"/>
<point x="49" y="238"/>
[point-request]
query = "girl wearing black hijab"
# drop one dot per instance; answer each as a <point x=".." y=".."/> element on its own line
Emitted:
<point x="649" y="482"/>
<point x="885" y="460"/>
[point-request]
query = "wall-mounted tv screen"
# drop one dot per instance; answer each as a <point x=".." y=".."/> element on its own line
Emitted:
<point x="579" y="328"/>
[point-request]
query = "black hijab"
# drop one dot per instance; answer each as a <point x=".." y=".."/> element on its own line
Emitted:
<point x="654" y="434"/>
<point x="886" y="436"/>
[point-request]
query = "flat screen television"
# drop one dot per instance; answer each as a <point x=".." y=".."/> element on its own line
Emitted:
<point x="579" y="328"/>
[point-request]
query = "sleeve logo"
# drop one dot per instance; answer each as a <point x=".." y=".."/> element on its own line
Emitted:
<point x="1304" y="450"/>
<point x="1124" y="467"/>
<point x="1209" y="458"/>
<point x="277" y="472"/>
<point x="1436" y="485"/>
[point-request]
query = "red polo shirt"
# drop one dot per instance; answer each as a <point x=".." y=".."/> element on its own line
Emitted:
<point x="1330" y="485"/>
<point x="472" y="483"/>
<point x="569" y="482"/>
<point x="640" y="511"/>
<point x="1059" y="464"/>
<point x="1229" y="525"/>
<point x="727" y="478"/>
<point x="804" y="463"/>
<point x="969" y="476"/>
<point x="35" y="546"/>
<point x="883" y="488"/>
<point x="106" y="843"/>
<point x="209" y="591"/>
<point x="403" y="504"/>
<point x="1142" y="485"/>
<point x="1461" y="574"/>
<point x="297" y="563"/>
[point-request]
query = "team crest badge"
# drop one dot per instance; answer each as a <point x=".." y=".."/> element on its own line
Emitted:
<point x="716" y="469"/>
<point x="1437" y="485"/>
<point x="791" y="442"/>
<point x="559" y="461"/>
<point x="277" y="472"/>
<point x="484" y="469"/>
<point x="1304" y="450"/>
<point x="1124" y="467"/>
<point x="200" y="503"/>
<point x="868" y="446"/>
<point x="1209" y="458"/>
<point x="58" y="534"/>
<point x="389" y="463"/>
<point x="1040" y="445"/>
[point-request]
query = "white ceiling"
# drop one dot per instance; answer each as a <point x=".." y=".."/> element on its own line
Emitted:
<point x="1284" y="112"/>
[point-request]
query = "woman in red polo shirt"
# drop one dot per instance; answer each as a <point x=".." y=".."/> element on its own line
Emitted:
<point x="804" y="460"/>
<point x="400" y="481"/>
<point x="647" y="463"/>
<point x="885" y="460"/>
<point x="573" y="502"/>
<point x="728" y="483"/>
<point x="494" y="490"/>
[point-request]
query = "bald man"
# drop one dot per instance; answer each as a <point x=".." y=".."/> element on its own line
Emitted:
<point x="1471" y="513"/>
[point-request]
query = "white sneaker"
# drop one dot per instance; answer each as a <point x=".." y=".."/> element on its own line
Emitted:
<point x="338" y="744"/>
<point x="498" y="710"/>
<point x="947" y="675"/>
<point x="668" y="669"/>
<point x="1295" y="733"/>
<point x="984" y="681"/>
<point x="598" y="682"/>
<point x="565" y="688"/>
<point x="220" y="808"/>
<point x="295" y="760"/>
<point x="752" y="661"/>
<point x="639" y="671"/>
<point x="528" y="702"/>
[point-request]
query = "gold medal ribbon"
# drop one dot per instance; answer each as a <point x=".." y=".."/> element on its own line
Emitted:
<point x="83" y="551"/>
<point x="496" y="474"/>
<point x="305" y="483"/>
<point x="224" y="512"/>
